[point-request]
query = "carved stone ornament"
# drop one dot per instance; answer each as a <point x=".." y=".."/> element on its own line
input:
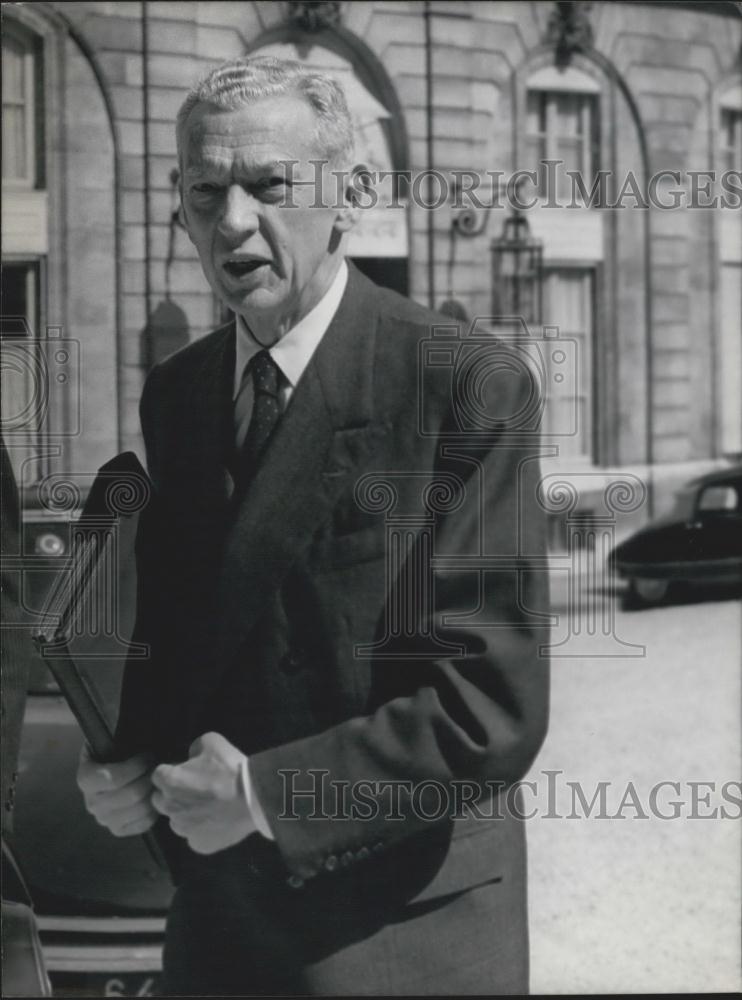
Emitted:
<point x="314" y="15"/>
<point x="569" y="30"/>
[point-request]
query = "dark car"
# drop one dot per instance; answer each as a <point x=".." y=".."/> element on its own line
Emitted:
<point x="699" y="542"/>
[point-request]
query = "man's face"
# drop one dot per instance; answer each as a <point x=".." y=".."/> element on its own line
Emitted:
<point x="267" y="248"/>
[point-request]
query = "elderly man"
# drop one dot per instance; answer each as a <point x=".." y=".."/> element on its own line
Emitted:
<point x="339" y="585"/>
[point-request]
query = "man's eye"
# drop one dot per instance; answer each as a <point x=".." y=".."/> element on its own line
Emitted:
<point x="203" y="187"/>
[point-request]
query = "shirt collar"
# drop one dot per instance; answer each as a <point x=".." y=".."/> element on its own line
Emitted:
<point x="294" y="350"/>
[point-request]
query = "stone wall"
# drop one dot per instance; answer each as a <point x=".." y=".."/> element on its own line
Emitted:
<point x="663" y="63"/>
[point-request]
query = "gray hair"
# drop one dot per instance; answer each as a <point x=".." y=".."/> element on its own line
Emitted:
<point x="235" y="84"/>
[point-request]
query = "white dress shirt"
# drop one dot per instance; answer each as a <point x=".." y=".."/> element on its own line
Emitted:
<point x="291" y="354"/>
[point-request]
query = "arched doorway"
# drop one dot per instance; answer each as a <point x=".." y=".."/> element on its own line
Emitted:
<point x="59" y="251"/>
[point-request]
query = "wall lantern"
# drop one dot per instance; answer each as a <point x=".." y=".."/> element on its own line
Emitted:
<point x="517" y="271"/>
<point x="517" y="257"/>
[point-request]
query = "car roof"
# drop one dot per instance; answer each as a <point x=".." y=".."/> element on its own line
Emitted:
<point x="732" y="473"/>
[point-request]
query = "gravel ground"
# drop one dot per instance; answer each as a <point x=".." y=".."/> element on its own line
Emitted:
<point x="641" y="904"/>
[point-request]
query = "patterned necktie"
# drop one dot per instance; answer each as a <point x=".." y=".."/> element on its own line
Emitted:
<point x="266" y="411"/>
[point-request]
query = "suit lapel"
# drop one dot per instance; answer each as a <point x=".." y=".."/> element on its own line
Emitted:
<point x="328" y="429"/>
<point x="209" y="424"/>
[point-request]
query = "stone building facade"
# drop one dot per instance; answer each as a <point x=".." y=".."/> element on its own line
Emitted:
<point x="650" y="295"/>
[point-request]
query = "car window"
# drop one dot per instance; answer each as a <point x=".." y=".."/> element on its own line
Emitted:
<point x="721" y="499"/>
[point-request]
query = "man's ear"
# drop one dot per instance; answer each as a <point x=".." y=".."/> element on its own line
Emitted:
<point x="358" y="193"/>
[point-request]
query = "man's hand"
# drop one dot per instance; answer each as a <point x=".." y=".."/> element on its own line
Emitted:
<point x="204" y="797"/>
<point x="118" y="795"/>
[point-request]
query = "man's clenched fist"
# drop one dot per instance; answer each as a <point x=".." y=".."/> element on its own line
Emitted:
<point x="205" y="797"/>
<point x="118" y="795"/>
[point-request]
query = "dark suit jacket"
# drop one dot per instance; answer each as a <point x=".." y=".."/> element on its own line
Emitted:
<point x="258" y="612"/>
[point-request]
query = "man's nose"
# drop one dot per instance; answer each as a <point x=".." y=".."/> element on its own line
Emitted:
<point x="240" y="214"/>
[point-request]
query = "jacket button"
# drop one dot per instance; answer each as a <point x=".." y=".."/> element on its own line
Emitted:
<point x="295" y="881"/>
<point x="293" y="660"/>
<point x="332" y="862"/>
<point x="378" y="847"/>
<point x="363" y="854"/>
<point x="347" y="859"/>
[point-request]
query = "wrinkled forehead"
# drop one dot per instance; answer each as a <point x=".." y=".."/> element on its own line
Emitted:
<point x="272" y="128"/>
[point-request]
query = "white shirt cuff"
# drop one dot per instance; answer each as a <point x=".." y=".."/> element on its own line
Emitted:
<point x="254" y="806"/>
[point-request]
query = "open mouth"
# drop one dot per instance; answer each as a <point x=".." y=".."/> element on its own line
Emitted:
<point x="239" y="267"/>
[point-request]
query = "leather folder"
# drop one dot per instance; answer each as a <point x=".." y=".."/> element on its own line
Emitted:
<point x="118" y="493"/>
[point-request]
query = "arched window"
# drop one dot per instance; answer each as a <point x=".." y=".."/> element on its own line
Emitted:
<point x="25" y="237"/>
<point x="22" y="115"/>
<point x="59" y="279"/>
<point x="562" y="124"/>
<point x="730" y="281"/>
<point x="730" y="129"/>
